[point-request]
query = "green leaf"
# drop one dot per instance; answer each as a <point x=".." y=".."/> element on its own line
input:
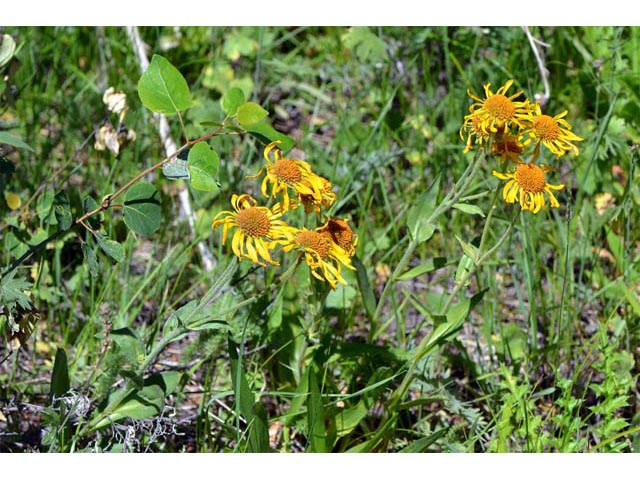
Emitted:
<point x="142" y="209"/>
<point x="144" y="403"/>
<point x="245" y="403"/>
<point x="315" y="416"/>
<point x="453" y="324"/>
<point x="267" y="134"/>
<point x="168" y="381"/>
<point x="419" y="446"/>
<point x="62" y="211"/>
<point x="91" y="258"/>
<point x="203" y="167"/>
<point x="162" y="88"/>
<point x="14" y="142"/>
<point x="368" y="297"/>
<point x="7" y="49"/>
<point x="89" y="205"/>
<point x="44" y="204"/>
<point x="250" y="113"/>
<point x="112" y="248"/>
<point x="367" y="46"/>
<point x="275" y="314"/>
<point x="60" y="375"/>
<point x="179" y="318"/>
<point x="512" y="340"/>
<point x="348" y="419"/>
<point x="12" y="291"/>
<point x="469" y="250"/>
<point x="419" y="214"/>
<point x="231" y="100"/>
<point x="341" y="298"/>
<point x="429" y="266"/>
<point x="471" y="209"/>
<point x="129" y="344"/>
<point x="244" y="395"/>
<point x="176" y="169"/>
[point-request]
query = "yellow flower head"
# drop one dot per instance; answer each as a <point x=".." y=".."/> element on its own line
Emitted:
<point x="528" y="185"/>
<point x="472" y="123"/>
<point x="324" y="257"/>
<point x="497" y="112"/>
<point x="341" y="234"/>
<point x="327" y="197"/>
<point x="258" y="229"/>
<point x="553" y="132"/>
<point x="507" y="146"/>
<point x="282" y="173"/>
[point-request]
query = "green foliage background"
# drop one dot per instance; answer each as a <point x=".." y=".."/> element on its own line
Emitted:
<point x="547" y="360"/>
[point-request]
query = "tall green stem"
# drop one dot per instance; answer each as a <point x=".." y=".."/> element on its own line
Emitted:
<point x="447" y="203"/>
<point x="426" y="344"/>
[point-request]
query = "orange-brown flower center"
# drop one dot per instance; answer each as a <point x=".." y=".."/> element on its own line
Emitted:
<point x="506" y="144"/>
<point x="309" y="203"/>
<point x="315" y="241"/>
<point x="254" y="222"/>
<point x="546" y="127"/>
<point x="500" y="107"/>
<point x="287" y="170"/>
<point x="530" y="178"/>
<point x="340" y="233"/>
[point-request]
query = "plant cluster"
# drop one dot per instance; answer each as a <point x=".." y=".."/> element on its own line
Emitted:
<point x="259" y="230"/>
<point x="505" y="127"/>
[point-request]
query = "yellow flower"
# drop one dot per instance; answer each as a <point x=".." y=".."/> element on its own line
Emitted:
<point x="258" y="229"/>
<point x="472" y="124"/>
<point x="324" y="257"/>
<point x="528" y="185"/>
<point x="283" y="173"/>
<point x="341" y="234"/>
<point x="553" y="132"/>
<point x="327" y="197"/>
<point x="507" y="146"/>
<point x="497" y="112"/>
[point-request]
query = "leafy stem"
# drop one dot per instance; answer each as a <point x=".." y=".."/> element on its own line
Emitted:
<point x="107" y="203"/>
<point x="458" y="190"/>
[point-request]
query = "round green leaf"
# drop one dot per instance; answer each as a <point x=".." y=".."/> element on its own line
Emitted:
<point x="142" y="209"/>
<point x="232" y="100"/>
<point x="203" y="167"/>
<point x="162" y="88"/>
<point x="250" y="113"/>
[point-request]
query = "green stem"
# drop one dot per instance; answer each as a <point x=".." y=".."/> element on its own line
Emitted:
<point x="449" y="200"/>
<point x="425" y="346"/>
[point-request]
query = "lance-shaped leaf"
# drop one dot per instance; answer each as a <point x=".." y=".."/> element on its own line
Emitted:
<point x="418" y="222"/>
